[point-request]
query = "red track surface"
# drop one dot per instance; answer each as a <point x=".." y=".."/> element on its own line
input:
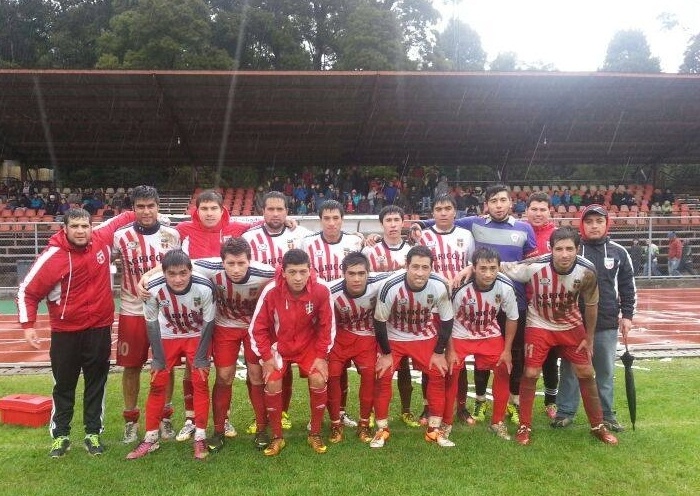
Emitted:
<point x="664" y="317"/>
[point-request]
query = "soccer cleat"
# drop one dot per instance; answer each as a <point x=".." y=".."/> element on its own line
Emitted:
<point x="200" y="449"/>
<point x="316" y="443"/>
<point x="142" y="450"/>
<point x="229" y="429"/>
<point x="167" y="432"/>
<point x="379" y="438"/>
<point x="347" y="421"/>
<point x="480" y="408"/>
<point x="364" y="433"/>
<point x="500" y="430"/>
<point x="423" y="419"/>
<point x="551" y="411"/>
<point x="523" y="435"/>
<point x="286" y="421"/>
<point x="513" y="412"/>
<point x="613" y="425"/>
<point x="408" y="419"/>
<point x="131" y="433"/>
<point x="275" y="447"/>
<point x="59" y="447"/>
<point x="561" y="422"/>
<point x="261" y="440"/>
<point x="336" y="433"/>
<point x="186" y="432"/>
<point x="466" y="417"/>
<point x="216" y="442"/>
<point x="252" y="428"/>
<point x="93" y="445"/>
<point x="603" y="434"/>
<point x="437" y="436"/>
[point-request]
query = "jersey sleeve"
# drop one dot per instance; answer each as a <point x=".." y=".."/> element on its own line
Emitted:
<point x="509" y="304"/>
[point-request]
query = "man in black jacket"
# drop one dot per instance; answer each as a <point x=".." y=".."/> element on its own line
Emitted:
<point x="617" y="296"/>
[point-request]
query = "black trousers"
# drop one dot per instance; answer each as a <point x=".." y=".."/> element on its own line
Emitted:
<point x="72" y="352"/>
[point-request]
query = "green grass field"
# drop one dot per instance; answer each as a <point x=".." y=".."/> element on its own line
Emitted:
<point x="661" y="457"/>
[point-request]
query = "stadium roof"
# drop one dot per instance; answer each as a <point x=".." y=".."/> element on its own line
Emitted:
<point x="152" y="119"/>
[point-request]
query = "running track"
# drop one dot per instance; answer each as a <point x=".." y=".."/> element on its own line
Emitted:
<point x="666" y="319"/>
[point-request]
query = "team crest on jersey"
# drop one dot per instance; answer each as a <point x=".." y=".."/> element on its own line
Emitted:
<point x="545" y="282"/>
<point x="319" y="254"/>
<point x="402" y="301"/>
<point x="609" y="262"/>
<point x="430" y="299"/>
<point x="460" y="243"/>
<point x="515" y="237"/>
<point x="381" y="259"/>
<point x="225" y="238"/>
<point x="290" y="243"/>
<point x="577" y="284"/>
<point x="471" y="301"/>
<point x="167" y="241"/>
<point x="344" y="309"/>
<point x="221" y="288"/>
<point x="262" y="247"/>
<point x="101" y="257"/>
<point x="197" y="301"/>
<point x="132" y="245"/>
<point x="346" y="251"/>
<point x="163" y="303"/>
<point x="309" y="307"/>
<point x="430" y="244"/>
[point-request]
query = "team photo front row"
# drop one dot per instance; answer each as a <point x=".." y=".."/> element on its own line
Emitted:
<point x="323" y="301"/>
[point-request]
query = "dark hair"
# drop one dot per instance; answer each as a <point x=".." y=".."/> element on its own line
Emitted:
<point x="331" y="205"/>
<point x="493" y="190"/>
<point x="235" y="246"/>
<point x="209" y="195"/>
<point x="355" y="258"/>
<point x="539" y="196"/>
<point x="75" y="213"/>
<point x="175" y="258"/>
<point x="419" y="251"/>
<point x="566" y="232"/>
<point x="144" y="192"/>
<point x="390" y="209"/>
<point x="274" y="195"/>
<point x="445" y="198"/>
<point x="485" y="254"/>
<point x="295" y="256"/>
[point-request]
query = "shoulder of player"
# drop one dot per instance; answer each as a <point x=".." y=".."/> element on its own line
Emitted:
<point x="213" y="263"/>
<point x="438" y="280"/>
<point x="201" y="279"/>
<point x="123" y="229"/>
<point x="335" y="286"/>
<point x="505" y="280"/>
<point x="393" y="280"/>
<point x="585" y="263"/>
<point x="260" y="269"/>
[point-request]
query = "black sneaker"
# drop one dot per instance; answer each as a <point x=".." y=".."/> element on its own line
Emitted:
<point x="215" y="442"/>
<point x="93" y="445"/>
<point x="60" y="446"/>
<point x="613" y="425"/>
<point x="261" y="440"/>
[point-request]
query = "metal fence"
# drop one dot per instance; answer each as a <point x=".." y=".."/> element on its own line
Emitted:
<point x="20" y="243"/>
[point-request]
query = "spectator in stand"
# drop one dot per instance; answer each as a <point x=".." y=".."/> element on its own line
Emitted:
<point x="370" y="198"/>
<point x="390" y="192"/>
<point x="617" y="196"/>
<point x="51" y="207"/>
<point x="519" y="207"/>
<point x="576" y="199"/>
<point x="657" y="197"/>
<point x="586" y="199"/>
<point x="655" y="209"/>
<point x="628" y="199"/>
<point x="288" y="190"/>
<point x="687" y="260"/>
<point x="666" y="208"/>
<point x="675" y="253"/>
<point x="598" y="198"/>
<point x="651" y="259"/>
<point x="461" y="203"/>
<point x="23" y="201"/>
<point x="566" y="198"/>
<point x="472" y="203"/>
<point x="356" y="197"/>
<point x="276" y="185"/>
<point x="259" y="194"/>
<point x="668" y="196"/>
<point x="556" y="200"/>
<point x="64" y="206"/>
<point x="300" y="193"/>
<point x="36" y="202"/>
<point x="637" y="256"/>
<point x="442" y="187"/>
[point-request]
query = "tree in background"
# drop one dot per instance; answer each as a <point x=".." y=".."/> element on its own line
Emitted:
<point x="691" y="57"/>
<point x="25" y="33"/>
<point x="161" y="34"/>
<point x="629" y="51"/>
<point x="458" y="48"/>
<point x="505" y="62"/>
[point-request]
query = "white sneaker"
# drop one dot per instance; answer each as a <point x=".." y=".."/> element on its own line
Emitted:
<point x="131" y="432"/>
<point x="229" y="429"/>
<point x="347" y="420"/>
<point x="186" y="432"/>
<point x="167" y="431"/>
<point x="500" y="430"/>
<point x="438" y="437"/>
<point x="379" y="438"/>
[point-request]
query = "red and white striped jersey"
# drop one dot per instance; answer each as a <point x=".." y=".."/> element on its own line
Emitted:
<point x="452" y="250"/>
<point x="140" y="250"/>
<point x="409" y="314"/>
<point x="555" y="297"/>
<point x="235" y="301"/>
<point x="180" y="315"/>
<point x="476" y="310"/>
<point x="269" y="248"/>
<point x="327" y="258"/>
<point x="384" y="257"/>
<point x="355" y="314"/>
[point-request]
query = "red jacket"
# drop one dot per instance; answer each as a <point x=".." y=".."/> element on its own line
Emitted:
<point x="675" y="248"/>
<point x="542" y="234"/>
<point x="75" y="281"/>
<point x="296" y="323"/>
<point x="199" y="241"/>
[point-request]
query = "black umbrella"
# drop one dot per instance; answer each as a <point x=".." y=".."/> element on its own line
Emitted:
<point x="627" y="358"/>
